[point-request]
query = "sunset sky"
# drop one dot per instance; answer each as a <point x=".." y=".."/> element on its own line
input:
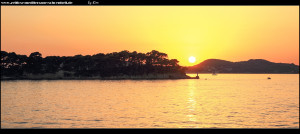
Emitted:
<point x="233" y="33"/>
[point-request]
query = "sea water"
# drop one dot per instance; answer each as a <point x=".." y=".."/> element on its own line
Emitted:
<point x="213" y="101"/>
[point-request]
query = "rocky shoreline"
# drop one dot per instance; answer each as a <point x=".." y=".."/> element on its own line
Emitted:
<point x="123" y="77"/>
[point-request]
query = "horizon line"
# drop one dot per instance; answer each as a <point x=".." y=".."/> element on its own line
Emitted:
<point x="159" y="51"/>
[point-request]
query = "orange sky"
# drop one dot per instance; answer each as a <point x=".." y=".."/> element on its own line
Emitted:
<point x="233" y="33"/>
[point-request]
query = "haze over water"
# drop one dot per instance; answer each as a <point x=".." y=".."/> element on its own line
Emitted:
<point x="221" y="101"/>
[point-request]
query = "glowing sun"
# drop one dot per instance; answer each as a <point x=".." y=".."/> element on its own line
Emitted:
<point x="192" y="59"/>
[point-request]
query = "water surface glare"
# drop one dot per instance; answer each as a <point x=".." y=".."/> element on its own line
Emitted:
<point x="220" y="101"/>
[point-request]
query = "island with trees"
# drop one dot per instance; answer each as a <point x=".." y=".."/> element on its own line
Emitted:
<point x="116" y="65"/>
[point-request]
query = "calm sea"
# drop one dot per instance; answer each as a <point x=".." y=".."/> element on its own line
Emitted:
<point x="213" y="101"/>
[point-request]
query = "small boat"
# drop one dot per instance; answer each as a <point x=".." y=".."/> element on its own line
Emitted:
<point x="197" y="77"/>
<point x="269" y="77"/>
<point x="214" y="73"/>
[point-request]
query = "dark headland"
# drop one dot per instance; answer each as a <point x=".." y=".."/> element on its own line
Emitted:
<point x="111" y="66"/>
<point x="124" y="65"/>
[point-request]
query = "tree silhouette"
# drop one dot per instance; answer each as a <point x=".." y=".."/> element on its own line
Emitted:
<point x="34" y="63"/>
<point x="104" y="65"/>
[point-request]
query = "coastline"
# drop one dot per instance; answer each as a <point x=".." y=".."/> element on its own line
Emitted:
<point x="167" y="76"/>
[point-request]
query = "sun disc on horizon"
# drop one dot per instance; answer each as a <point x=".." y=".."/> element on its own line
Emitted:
<point x="192" y="59"/>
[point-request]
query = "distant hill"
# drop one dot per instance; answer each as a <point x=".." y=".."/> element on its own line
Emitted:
<point x="250" y="66"/>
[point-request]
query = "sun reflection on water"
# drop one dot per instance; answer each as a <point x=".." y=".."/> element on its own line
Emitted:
<point x="191" y="102"/>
